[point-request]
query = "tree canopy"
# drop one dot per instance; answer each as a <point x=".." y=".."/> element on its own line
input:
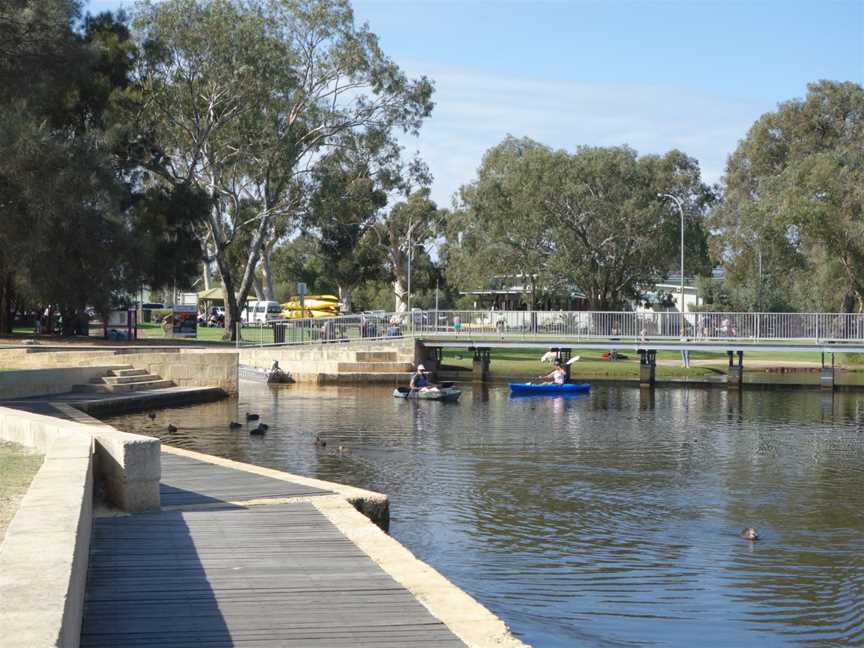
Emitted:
<point x="243" y="96"/>
<point x="590" y="220"/>
<point x="794" y="202"/>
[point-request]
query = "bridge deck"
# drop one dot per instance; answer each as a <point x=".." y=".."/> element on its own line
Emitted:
<point x="272" y="575"/>
<point x="463" y="341"/>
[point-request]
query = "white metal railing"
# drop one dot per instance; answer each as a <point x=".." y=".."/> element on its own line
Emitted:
<point x="569" y="325"/>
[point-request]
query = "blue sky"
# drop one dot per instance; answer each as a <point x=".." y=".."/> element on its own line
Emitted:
<point x="655" y="75"/>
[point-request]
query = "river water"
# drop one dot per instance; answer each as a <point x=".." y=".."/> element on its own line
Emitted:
<point x="610" y="519"/>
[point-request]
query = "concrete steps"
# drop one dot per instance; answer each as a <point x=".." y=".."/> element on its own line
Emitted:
<point x="375" y="367"/>
<point x="128" y="372"/>
<point x="375" y="356"/>
<point x="365" y="378"/>
<point x="125" y="380"/>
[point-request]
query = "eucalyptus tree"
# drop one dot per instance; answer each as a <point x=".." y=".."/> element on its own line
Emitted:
<point x="242" y="96"/>
<point x="793" y="199"/>
<point x="351" y="187"/>
<point x="614" y="238"/>
<point x="410" y="226"/>
<point x="499" y="228"/>
<point x="589" y="220"/>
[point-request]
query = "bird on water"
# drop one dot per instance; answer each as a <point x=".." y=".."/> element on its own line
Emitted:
<point x="234" y="425"/>
<point x="172" y="428"/>
<point x="261" y="430"/>
<point x="319" y="442"/>
<point x="750" y="533"/>
<point x="152" y="415"/>
<point x="252" y="417"/>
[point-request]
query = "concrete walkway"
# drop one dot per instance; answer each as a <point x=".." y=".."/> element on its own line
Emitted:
<point x="211" y="571"/>
<point x="108" y="404"/>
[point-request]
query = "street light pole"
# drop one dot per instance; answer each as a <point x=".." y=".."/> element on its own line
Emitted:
<point x="410" y="250"/>
<point x="680" y="206"/>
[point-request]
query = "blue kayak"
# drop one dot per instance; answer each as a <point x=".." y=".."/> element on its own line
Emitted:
<point x="549" y="388"/>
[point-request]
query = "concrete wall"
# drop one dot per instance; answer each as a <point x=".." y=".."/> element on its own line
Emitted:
<point x="43" y="558"/>
<point x="186" y="367"/>
<point x="189" y="367"/>
<point x="24" y="383"/>
<point x="130" y="465"/>
<point x="35" y="359"/>
<point x="306" y="363"/>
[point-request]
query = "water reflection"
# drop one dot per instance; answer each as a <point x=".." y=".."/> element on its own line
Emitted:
<point x="604" y="519"/>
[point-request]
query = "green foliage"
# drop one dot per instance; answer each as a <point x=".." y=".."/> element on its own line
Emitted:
<point x="238" y="94"/>
<point x="794" y="201"/>
<point x="409" y="227"/>
<point x="591" y="219"/>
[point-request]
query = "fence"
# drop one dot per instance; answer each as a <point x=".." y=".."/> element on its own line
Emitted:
<point x="572" y="326"/>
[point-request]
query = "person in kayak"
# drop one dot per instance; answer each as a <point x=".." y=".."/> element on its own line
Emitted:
<point x="558" y="376"/>
<point x="420" y="380"/>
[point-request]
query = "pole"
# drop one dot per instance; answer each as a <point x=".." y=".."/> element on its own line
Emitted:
<point x="680" y="206"/>
<point x="681" y="211"/>
<point x="435" y="324"/>
<point x="410" y="252"/>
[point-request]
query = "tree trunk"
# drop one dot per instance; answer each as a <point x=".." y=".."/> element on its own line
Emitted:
<point x="400" y="291"/>
<point x="345" y="293"/>
<point x="259" y="293"/>
<point x="232" y="312"/>
<point x="266" y="275"/>
<point x="232" y="301"/>
<point x="6" y="298"/>
<point x="205" y="273"/>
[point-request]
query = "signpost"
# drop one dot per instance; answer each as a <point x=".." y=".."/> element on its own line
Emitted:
<point x="185" y="320"/>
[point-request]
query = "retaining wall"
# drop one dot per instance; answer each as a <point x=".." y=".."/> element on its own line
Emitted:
<point x="186" y="367"/>
<point x="307" y="363"/>
<point x="23" y="383"/>
<point x="43" y="558"/>
<point x="189" y="367"/>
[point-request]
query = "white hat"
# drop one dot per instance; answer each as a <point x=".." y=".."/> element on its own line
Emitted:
<point x="420" y="367"/>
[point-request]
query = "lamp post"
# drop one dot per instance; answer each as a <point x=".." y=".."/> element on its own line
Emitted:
<point x="680" y="206"/>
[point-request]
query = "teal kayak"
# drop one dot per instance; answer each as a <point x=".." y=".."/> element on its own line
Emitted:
<point x="447" y="394"/>
<point x="549" y="388"/>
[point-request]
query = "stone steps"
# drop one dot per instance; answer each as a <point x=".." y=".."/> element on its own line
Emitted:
<point x="124" y="380"/>
<point x="140" y="386"/>
<point x="353" y="377"/>
<point x="374" y="367"/>
<point x="127" y="372"/>
<point x="375" y="356"/>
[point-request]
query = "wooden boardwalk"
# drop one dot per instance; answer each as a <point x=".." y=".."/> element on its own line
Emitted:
<point x="279" y="575"/>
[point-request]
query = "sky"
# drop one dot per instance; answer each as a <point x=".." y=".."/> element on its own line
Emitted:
<point x="654" y="75"/>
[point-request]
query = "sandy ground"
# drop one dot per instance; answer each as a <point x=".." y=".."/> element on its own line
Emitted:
<point x="18" y="465"/>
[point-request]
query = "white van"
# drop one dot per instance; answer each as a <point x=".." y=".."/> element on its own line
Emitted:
<point x="261" y="312"/>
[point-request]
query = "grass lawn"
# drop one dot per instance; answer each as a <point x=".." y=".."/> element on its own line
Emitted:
<point x="18" y="465"/>
<point x="205" y="334"/>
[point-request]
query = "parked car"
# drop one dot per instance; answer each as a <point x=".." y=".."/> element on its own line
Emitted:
<point x="261" y="312"/>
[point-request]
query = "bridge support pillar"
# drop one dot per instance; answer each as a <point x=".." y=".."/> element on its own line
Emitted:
<point x="429" y="357"/>
<point x="826" y="374"/>
<point x="647" y="367"/>
<point x="735" y="375"/>
<point x="481" y="364"/>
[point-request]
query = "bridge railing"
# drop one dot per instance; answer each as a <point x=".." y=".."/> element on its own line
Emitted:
<point x="565" y="325"/>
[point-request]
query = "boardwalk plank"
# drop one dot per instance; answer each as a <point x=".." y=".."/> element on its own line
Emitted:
<point x="261" y="577"/>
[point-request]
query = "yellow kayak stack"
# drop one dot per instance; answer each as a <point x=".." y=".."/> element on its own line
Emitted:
<point x="316" y="306"/>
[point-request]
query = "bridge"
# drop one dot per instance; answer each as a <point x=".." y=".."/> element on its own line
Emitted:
<point x="644" y="333"/>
